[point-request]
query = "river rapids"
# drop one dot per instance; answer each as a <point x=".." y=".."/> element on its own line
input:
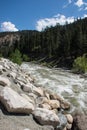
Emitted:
<point x="70" y="86"/>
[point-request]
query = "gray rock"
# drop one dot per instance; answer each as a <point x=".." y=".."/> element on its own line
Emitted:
<point x="28" y="98"/>
<point x="27" y="87"/>
<point x="32" y="96"/>
<point x="4" y="81"/>
<point x="12" y="74"/>
<point x="63" y="122"/>
<point x="21" y="79"/>
<point x="41" y="100"/>
<point x="14" y="102"/>
<point x="46" y="117"/>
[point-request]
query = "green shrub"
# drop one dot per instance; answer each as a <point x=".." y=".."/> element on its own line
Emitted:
<point x="16" y="57"/>
<point x="25" y="58"/>
<point x="0" y="55"/>
<point x="80" y="64"/>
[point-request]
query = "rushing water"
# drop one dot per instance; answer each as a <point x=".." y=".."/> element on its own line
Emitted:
<point x="71" y="86"/>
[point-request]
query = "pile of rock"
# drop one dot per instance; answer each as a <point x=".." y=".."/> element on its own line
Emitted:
<point x="19" y="95"/>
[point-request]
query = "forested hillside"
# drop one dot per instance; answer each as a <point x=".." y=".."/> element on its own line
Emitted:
<point x="59" y="45"/>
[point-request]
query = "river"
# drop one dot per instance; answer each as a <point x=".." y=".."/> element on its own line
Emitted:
<point x="71" y="86"/>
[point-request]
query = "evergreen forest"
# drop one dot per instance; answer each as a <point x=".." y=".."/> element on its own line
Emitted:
<point x="57" y="46"/>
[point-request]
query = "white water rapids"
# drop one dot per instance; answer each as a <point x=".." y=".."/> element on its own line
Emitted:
<point x="70" y="86"/>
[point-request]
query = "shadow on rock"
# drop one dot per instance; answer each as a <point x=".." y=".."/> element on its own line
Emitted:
<point x="5" y="112"/>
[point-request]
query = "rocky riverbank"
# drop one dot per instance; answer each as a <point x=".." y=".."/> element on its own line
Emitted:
<point x="24" y="106"/>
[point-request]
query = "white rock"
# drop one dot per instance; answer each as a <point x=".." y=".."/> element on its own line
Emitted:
<point x="29" y="79"/>
<point x="32" y="96"/>
<point x="65" y="105"/>
<point x="47" y="95"/>
<point x="6" y="66"/>
<point x="65" y="128"/>
<point x="69" y="118"/>
<point x="28" y="98"/>
<point x="12" y="74"/>
<point x="46" y="117"/>
<point x="45" y="105"/>
<point x="1" y="67"/>
<point x="38" y="91"/>
<point x="55" y="104"/>
<point x="4" y="81"/>
<point x="27" y="87"/>
<point x="14" y="102"/>
<point x="69" y="126"/>
<point x="55" y="111"/>
<point x="26" y="129"/>
<point x="21" y="79"/>
<point x="55" y="96"/>
<point x="41" y="100"/>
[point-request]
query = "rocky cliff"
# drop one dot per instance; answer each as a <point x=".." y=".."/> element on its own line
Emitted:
<point x="8" y="42"/>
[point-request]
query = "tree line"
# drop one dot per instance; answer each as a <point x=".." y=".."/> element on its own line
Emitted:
<point x="59" y="45"/>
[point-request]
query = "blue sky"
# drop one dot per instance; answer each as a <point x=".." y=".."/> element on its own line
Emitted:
<point x="37" y="14"/>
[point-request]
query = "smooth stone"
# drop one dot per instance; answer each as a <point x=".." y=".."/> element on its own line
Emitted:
<point x="69" y="118"/>
<point x="14" y="102"/>
<point x="46" y="117"/>
<point x="4" y="81"/>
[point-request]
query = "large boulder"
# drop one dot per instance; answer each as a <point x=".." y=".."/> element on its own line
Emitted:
<point x="14" y="102"/>
<point x="80" y="122"/>
<point x="4" y="81"/>
<point x="46" y="117"/>
<point x="28" y="98"/>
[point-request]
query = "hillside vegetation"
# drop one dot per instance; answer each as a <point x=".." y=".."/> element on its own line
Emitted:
<point x="57" y="46"/>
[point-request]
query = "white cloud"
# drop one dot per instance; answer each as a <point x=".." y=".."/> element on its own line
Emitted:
<point x="85" y="8"/>
<point x="79" y="3"/>
<point x="85" y="15"/>
<point x="47" y="22"/>
<point x="8" y="26"/>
